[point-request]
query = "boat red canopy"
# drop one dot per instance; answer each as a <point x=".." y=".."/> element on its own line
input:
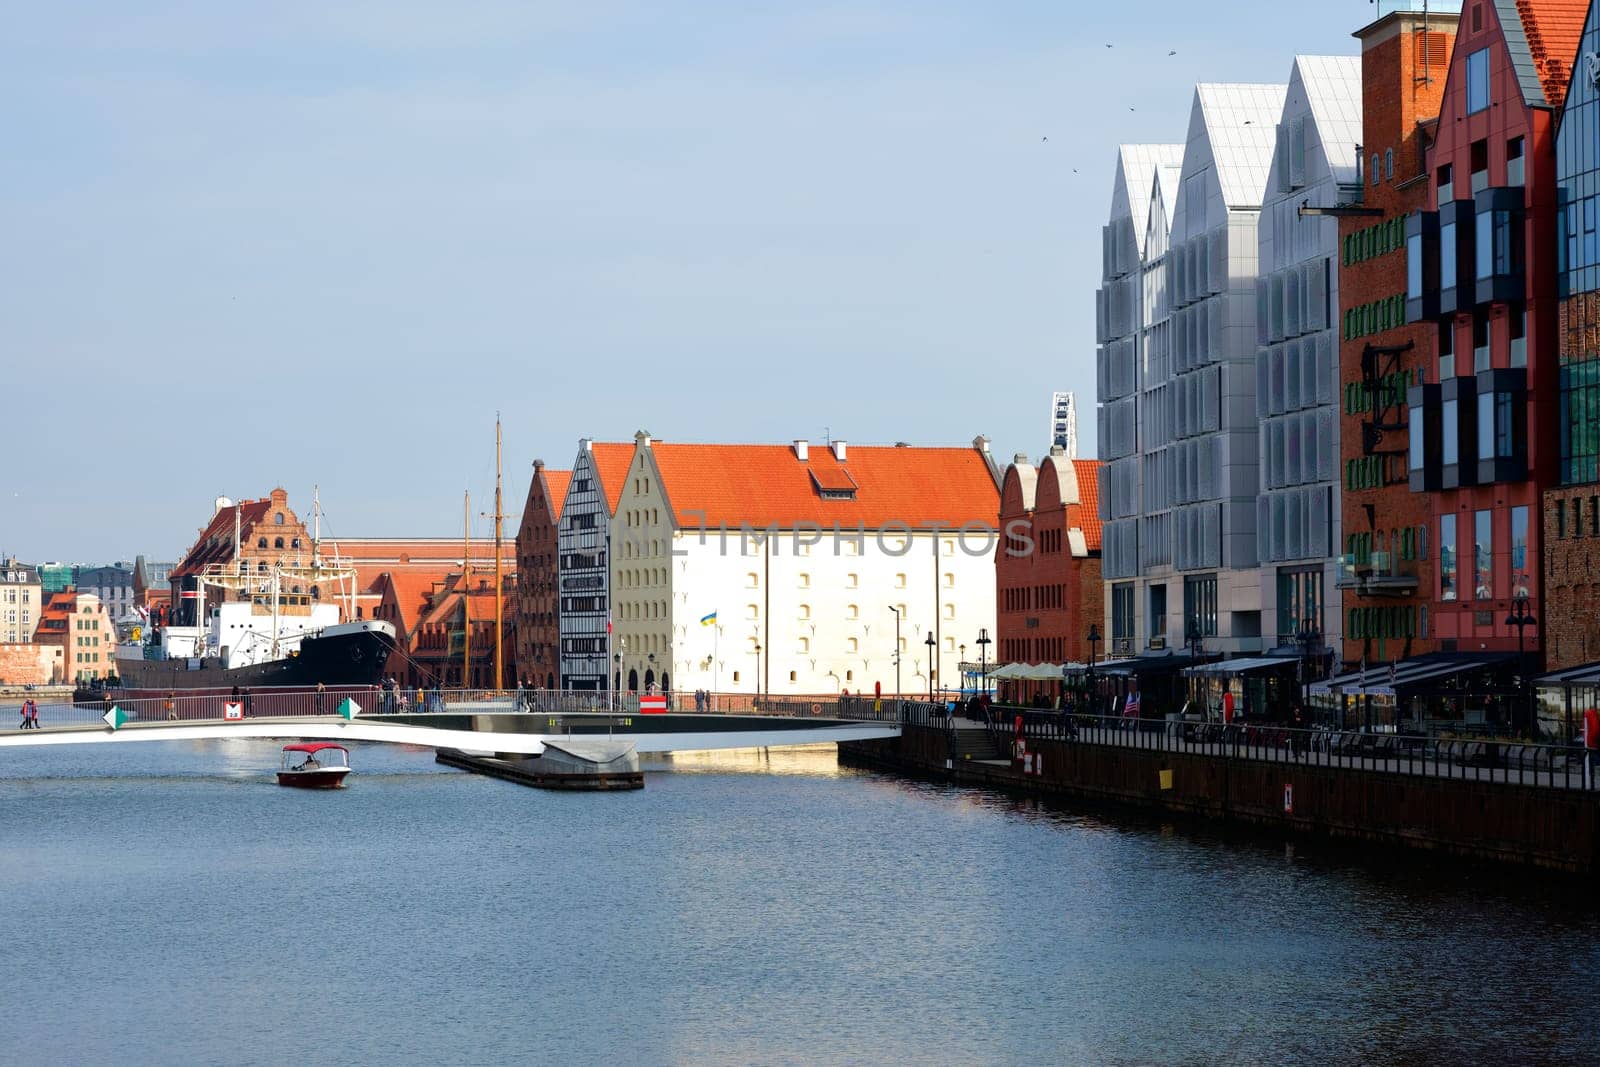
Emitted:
<point x="315" y="746"/>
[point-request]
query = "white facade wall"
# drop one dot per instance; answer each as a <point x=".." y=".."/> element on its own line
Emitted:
<point x="1297" y="357"/>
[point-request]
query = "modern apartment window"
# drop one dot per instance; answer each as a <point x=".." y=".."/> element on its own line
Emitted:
<point x="1514" y="161"/>
<point x="1447" y="189"/>
<point x="1158" y="611"/>
<point x="1478" y="80"/>
<point x="1122" y="611"/>
<point x="1580" y="422"/>
<point x="1518" y="324"/>
<point x="1447" y="557"/>
<point x="1447" y="349"/>
<point x="1416" y="443"/>
<point x="1480" y="342"/>
<point x="1449" y="432"/>
<point x="1447" y="254"/>
<point x="1479" y="158"/>
<point x="1200" y="604"/>
<point x="1483" y="555"/>
<point x="1499" y="247"/>
<point x="1519" y="540"/>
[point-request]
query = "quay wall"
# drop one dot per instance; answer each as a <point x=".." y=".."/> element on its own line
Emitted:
<point x="1548" y="828"/>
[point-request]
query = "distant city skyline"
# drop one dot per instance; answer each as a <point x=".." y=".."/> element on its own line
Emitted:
<point x="298" y="246"/>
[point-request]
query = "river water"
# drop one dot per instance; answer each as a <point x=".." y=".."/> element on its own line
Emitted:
<point x="167" y="903"/>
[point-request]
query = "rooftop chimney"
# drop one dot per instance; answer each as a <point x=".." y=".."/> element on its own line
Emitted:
<point x="802" y="450"/>
<point x="838" y="451"/>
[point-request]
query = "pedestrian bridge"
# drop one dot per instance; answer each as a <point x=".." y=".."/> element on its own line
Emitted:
<point x="486" y="731"/>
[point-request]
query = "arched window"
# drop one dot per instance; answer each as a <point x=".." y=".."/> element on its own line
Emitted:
<point x="1388" y="164"/>
<point x="261" y="542"/>
<point x="277" y="519"/>
<point x="1375" y="174"/>
<point x="295" y="543"/>
<point x="277" y="542"/>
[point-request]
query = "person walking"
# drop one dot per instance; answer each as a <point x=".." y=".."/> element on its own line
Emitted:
<point x="249" y="702"/>
<point x="27" y="715"/>
<point x="321" y="699"/>
<point x="1297" y="725"/>
<point x="170" y="706"/>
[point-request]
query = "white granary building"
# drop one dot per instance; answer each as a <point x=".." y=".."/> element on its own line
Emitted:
<point x="801" y="569"/>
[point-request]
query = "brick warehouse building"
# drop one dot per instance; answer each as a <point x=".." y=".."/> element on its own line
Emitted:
<point x="1386" y="571"/>
<point x="1048" y="590"/>
<point x="538" y="614"/>
<point x="1482" y="267"/>
<point x="1571" y="525"/>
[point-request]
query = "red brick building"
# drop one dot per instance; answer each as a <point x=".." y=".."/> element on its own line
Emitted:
<point x="1387" y="575"/>
<point x="1482" y="276"/>
<point x="249" y="537"/>
<point x="538" y="618"/>
<point x="1048" y="590"/>
<point x="439" y="653"/>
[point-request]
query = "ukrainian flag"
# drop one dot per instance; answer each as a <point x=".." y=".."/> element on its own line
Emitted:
<point x="708" y="620"/>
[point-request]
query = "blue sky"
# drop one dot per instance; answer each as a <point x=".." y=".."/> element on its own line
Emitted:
<point x="249" y="245"/>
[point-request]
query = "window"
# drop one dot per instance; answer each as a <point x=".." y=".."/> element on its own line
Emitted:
<point x="805" y="581"/>
<point x="1375" y="174"/>
<point x="752" y="580"/>
<point x="1121" y="611"/>
<point x="852" y="581"/>
<point x="1519" y="541"/>
<point x="277" y="519"/>
<point x="1447" y="557"/>
<point x="1514" y="161"/>
<point x="1477" y="80"/>
<point x="1447" y="350"/>
<point x="1388" y="164"/>
<point x="1447" y="189"/>
<point x="1480" y="342"/>
<point x="900" y="581"/>
<point x="851" y="611"/>
<point x="1447" y="254"/>
<point x="1479" y="158"/>
<point x="1518" y="323"/>
<point x="261" y="542"/>
<point x="1449" y="432"/>
<point x="1483" y="555"/>
<point x="1200" y="604"/>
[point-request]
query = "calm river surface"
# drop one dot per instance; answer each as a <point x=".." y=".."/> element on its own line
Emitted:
<point x="167" y="903"/>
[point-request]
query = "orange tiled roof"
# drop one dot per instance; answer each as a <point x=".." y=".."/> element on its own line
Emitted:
<point x="611" y="467"/>
<point x="1088" y="472"/>
<point x="1553" y="28"/>
<point x="411" y="590"/>
<point x="766" y="484"/>
<point x="557" y="482"/>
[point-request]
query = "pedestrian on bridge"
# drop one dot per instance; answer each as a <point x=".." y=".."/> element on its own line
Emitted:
<point x="27" y="717"/>
<point x="33" y="712"/>
<point x="322" y="697"/>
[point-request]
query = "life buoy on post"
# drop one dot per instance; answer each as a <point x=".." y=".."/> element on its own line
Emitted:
<point x="816" y="709"/>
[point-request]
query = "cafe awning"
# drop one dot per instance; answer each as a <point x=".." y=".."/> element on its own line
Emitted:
<point x="1389" y="679"/>
<point x="1168" y="662"/>
<point x="1245" y="665"/>
<point x="1583" y="674"/>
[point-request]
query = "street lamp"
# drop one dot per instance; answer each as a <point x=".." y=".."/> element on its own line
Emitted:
<point x="758" y="672"/>
<point x="961" y="663"/>
<point x="896" y="650"/>
<point x="983" y="658"/>
<point x="1192" y="637"/>
<point x="1094" y="639"/>
<point x="1521" y="617"/>
<point x="1307" y="637"/>
<point x="930" y="644"/>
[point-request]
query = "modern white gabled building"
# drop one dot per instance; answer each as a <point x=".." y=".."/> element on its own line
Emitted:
<point x="1315" y="166"/>
<point x="584" y="564"/>
<point x="1131" y="380"/>
<point x="1190" y="424"/>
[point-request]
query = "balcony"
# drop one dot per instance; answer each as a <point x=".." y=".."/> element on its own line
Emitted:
<point x="1379" y="574"/>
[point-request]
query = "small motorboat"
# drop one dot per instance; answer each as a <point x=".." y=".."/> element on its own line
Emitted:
<point x="314" y="765"/>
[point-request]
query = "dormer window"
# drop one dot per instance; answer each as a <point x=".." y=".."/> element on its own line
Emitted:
<point x="838" y="494"/>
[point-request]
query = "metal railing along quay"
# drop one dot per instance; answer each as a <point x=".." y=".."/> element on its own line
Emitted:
<point x="1469" y="759"/>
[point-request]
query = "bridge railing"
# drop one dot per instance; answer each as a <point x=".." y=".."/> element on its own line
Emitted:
<point x="1537" y="765"/>
<point x="284" y="701"/>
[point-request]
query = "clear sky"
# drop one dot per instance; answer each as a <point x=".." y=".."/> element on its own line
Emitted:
<point x="244" y="245"/>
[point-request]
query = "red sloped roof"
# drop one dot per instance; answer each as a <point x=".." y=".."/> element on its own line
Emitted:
<point x="1088" y="472"/>
<point x="766" y="484"/>
<point x="411" y="589"/>
<point x="1553" y="29"/>
<point x="215" y="543"/>
<point x="556" y="482"/>
<point x="611" y="467"/>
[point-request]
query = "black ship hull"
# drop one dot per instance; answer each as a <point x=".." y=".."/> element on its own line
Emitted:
<point x="354" y="656"/>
